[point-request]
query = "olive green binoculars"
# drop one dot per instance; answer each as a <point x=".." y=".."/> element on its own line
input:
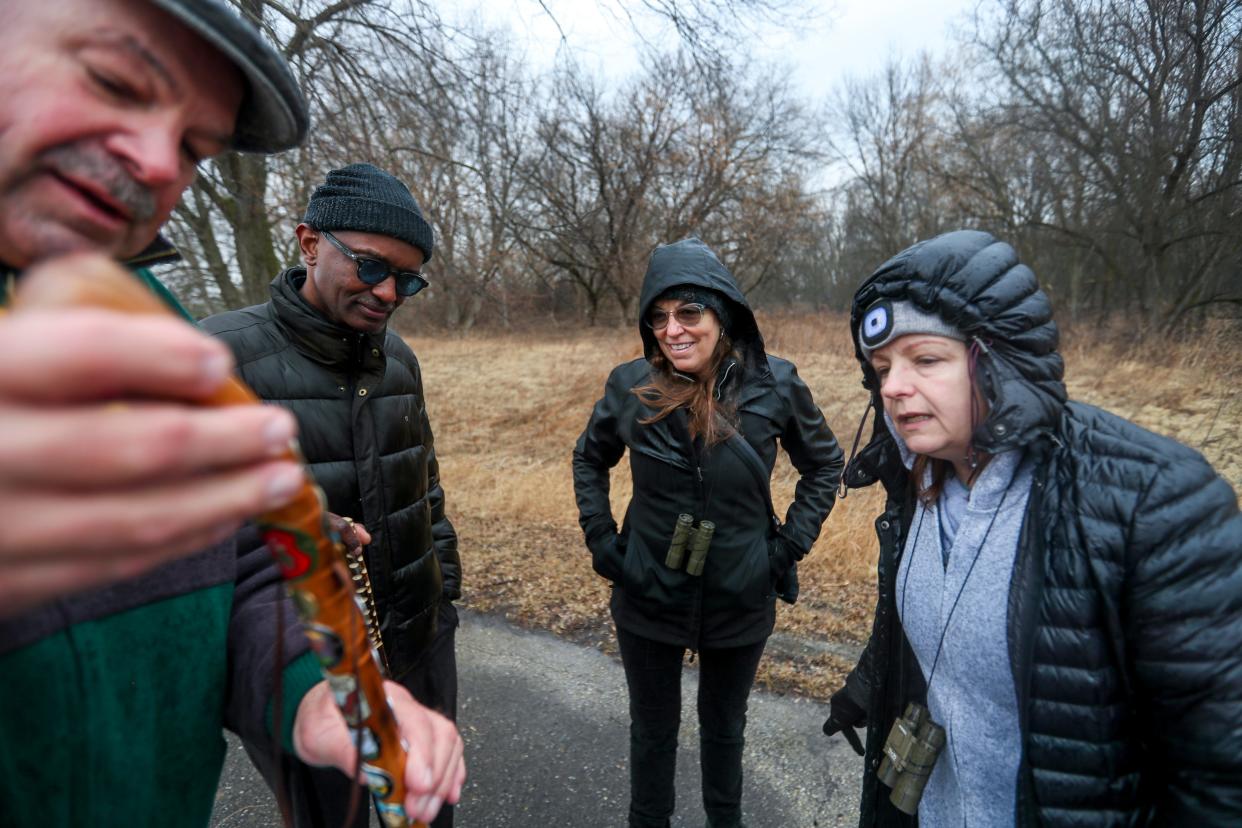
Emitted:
<point x="910" y="753"/>
<point x="687" y="536"/>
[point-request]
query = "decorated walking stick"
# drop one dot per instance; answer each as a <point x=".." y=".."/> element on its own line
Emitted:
<point x="306" y="548"/>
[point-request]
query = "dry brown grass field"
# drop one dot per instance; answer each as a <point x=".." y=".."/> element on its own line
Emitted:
<point x="506" y="410"/>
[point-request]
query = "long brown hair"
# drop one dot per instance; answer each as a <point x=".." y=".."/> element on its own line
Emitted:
<point x="710" y="418"/>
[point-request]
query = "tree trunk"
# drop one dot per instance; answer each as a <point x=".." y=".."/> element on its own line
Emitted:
<point x="246" y="178"/>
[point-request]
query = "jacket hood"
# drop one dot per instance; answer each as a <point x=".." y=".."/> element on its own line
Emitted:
<point x="691" y="262"/>
<point x="976" y="284"/>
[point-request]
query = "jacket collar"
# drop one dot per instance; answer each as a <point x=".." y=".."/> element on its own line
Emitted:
<point x="741" y="382"/>
<point x="313" y="334"/>
<point x="159" y="251"/>
<point x="728" y="376"/>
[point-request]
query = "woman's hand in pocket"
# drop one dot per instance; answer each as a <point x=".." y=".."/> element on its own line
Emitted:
<point x="607" y="557"/>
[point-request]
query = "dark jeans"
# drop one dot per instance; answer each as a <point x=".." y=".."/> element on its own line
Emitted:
<point x="319" y="797"/>
<point x="653" y="674"/>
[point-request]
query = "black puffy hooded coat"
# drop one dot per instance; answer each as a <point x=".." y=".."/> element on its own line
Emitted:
<point x="1125" y="605"/>
<point x="363" y="426"/>
<point x="733" y="603"/>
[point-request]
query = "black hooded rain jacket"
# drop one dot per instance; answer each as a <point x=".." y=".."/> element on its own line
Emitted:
<point x="733" y="603"/>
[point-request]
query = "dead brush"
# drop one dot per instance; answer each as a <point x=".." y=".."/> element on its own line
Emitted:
<point x="507" y="409"/>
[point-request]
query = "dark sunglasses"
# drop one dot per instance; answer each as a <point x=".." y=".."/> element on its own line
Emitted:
<point x="373" y="271"/>
<point x="688" y="316"/>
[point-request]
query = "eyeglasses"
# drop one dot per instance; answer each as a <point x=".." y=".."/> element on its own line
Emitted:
<point x="688" y="316"/>
<point x="373" y="271"/>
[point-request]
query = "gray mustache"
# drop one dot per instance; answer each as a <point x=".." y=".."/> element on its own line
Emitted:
<point x="94" y="163"/>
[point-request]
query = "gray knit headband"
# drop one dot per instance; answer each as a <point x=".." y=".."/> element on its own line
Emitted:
<point x="885" y="320"/>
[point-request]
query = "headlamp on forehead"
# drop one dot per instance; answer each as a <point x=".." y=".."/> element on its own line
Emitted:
<point x="886" y="320"/>
<point x="877" y="324"/>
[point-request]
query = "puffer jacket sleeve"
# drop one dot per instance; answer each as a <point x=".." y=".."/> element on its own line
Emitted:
<point x="857" y="687"/>
<point x="599" y="448"/>
<point x="1183" y="605"/>
<point x="814" y="452"/>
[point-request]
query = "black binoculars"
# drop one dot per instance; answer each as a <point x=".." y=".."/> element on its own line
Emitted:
<point x="698" y="539"/>
<point x="910" y="753"/>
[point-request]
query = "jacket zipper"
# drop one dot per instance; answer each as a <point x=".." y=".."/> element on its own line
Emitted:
<point x="697" y="620"/>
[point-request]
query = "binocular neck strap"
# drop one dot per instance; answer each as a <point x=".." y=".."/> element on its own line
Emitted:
<point x="913" y="545"/>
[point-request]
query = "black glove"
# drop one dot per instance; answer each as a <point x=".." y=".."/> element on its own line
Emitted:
<point x="783" y="567"/>
<point x="843" y="717"/>
<point x="780" y="557"/>
<point x="607" y="557"/>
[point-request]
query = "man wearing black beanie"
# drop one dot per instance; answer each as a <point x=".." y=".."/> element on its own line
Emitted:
<point x="322" y="349"/>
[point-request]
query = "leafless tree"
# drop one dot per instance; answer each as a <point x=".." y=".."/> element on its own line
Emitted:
<point x="460" y="153"/>
<point x="679" y="151"/>
<point x="709" y="31"/>
<point x="1133" y="109"/>
<point x="887" y="133"/>
<point x="531" y="187"/>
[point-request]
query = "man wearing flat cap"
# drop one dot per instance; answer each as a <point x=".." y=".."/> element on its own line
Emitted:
<point x="136" y="620"/>
<point x="322" y="349"/>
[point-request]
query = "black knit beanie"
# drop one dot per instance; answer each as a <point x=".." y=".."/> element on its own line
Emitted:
<point x="366" y="199"/>
<point x="706" y="297"/>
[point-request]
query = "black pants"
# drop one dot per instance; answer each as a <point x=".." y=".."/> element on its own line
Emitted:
<point x="653" y="674"/>
<point x="319" y="797"/>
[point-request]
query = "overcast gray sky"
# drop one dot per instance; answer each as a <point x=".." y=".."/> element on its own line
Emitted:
<point x="845" y="37"/>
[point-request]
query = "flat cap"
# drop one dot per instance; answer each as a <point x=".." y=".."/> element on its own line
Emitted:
<point x="273" y="115"/>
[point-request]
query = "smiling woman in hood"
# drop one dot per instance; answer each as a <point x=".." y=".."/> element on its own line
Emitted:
<point x="701" y="557"/>
<point x="1060" y="591"/>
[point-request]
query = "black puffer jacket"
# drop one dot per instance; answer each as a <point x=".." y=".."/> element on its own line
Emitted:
<point x="734" y="601"/>
<point x="1125" y="607"/>
<point x="358" y="399"/>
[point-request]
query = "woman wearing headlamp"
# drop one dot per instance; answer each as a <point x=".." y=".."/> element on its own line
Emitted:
<point x="1059" y="588"/>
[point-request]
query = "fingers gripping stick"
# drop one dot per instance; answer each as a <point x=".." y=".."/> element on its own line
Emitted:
<point x="306" y="548"/>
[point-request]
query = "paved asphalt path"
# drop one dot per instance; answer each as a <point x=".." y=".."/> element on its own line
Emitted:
<point x="545" y="726"/>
